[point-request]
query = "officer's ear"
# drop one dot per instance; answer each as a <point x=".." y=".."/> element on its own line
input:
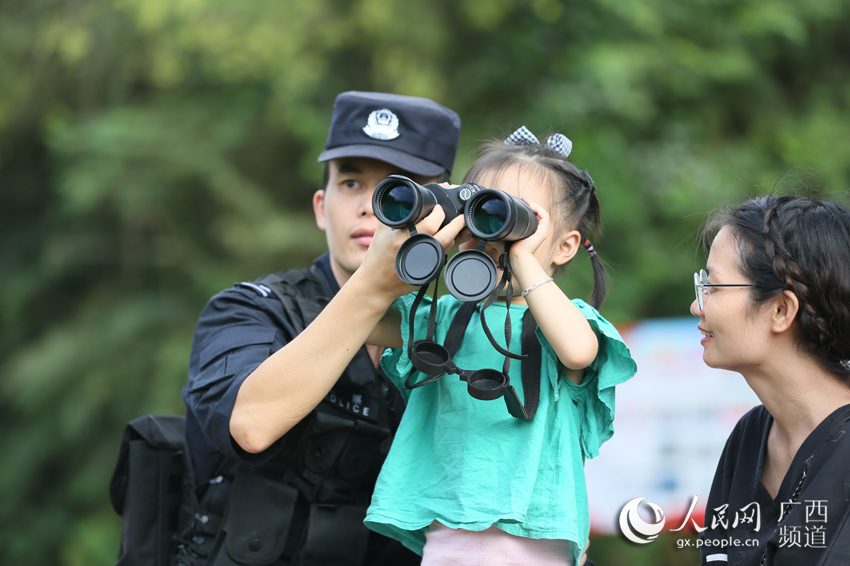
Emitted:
<point x="319" y="208"/>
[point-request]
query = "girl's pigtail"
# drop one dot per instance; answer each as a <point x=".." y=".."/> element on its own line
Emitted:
<point x="591" y="219"/>
<point x="600" y="283"/>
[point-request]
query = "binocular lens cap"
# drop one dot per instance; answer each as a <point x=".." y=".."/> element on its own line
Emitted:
<point x="471" y="276"/>
<point x="429" y="357"/>
<point x="419" y="260"/>
<point x="486" y="384"/>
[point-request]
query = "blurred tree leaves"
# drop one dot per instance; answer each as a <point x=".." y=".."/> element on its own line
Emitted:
<point x="154" y="151"/>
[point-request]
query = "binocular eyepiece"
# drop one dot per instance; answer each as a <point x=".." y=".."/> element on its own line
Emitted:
<point x="489" y="214"/>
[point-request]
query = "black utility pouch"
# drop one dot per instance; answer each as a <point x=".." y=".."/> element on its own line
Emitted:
<point x="336" y="536"/>
<point x="258" y="520"/>
<point x="152" y="488"/>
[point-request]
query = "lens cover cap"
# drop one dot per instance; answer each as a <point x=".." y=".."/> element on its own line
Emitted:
<point x="471" y="275"/>
<point x="486" y="384"/>
<point x="419" y="259"/>
<point x="431" y="358"/>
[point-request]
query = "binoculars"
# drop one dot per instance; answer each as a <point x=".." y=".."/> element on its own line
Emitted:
<point x="489" y="214"/>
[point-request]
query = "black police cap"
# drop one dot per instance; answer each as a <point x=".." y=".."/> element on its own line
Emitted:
<point x="414" y="134"/>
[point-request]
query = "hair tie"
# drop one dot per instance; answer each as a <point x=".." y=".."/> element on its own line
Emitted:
<point x="587" y="180"/>
<point x="558" y="143"/>
<point x="589" y="247"/>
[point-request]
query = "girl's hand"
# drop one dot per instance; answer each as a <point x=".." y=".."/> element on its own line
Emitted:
<point x="529" y="245"/>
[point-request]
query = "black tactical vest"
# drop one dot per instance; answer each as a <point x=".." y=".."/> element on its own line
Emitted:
<point x="306" y="506"/>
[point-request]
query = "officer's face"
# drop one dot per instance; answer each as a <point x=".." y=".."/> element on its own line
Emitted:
<point x="344" y="210"/>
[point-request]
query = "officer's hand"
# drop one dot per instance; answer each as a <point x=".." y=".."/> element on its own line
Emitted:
<point x="455" y="232"/>
<point x="379" y="264"/>
<point x="451" y="235"/>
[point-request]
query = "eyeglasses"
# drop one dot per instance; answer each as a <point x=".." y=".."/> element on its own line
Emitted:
<point x="701" y="286"/>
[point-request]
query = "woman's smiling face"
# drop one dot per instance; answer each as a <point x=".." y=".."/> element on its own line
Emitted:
<point x="734" y="333"/>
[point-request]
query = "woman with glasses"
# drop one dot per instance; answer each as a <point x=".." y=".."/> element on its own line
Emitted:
<point x="774" y="305"/>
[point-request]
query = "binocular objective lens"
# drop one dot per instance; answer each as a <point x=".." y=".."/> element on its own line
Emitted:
<point x="490" y="215"/>
<point x="397" y="203"/>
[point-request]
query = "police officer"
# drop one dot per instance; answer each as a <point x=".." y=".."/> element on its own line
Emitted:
<point x="287" y="422"/>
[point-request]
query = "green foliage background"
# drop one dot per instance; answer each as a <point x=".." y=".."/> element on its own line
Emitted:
<point x="154" y="151"/>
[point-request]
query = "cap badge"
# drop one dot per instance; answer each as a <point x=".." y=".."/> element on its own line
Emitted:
<point x="382" y="124"/>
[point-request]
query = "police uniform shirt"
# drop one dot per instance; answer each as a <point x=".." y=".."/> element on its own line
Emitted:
<point x="238" y="329"/>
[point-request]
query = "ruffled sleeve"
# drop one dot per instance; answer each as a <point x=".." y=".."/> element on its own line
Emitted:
<point x="594" y="398"/>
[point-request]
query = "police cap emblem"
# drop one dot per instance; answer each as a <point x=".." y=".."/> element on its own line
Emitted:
<point x="382" y="124"/>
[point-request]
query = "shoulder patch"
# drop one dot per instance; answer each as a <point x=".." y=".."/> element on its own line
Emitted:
<point x="260" y="289"/>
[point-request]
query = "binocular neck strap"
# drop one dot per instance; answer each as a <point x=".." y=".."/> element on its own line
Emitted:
<point x="432" y="315"/>
<point x="429" y="335"/>
<point x="453" y="340"/>
<point x="530" y="371"/>
<point x="529" y="368"/>
<point x="454" y="336"/>
<point x="505" y="282"/>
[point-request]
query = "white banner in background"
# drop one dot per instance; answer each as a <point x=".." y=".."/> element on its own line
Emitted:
<point x="672" y="420"/>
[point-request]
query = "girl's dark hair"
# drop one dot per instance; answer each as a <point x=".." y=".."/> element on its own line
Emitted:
<point x="802" y="245"/>
<point x="574" y="203"/>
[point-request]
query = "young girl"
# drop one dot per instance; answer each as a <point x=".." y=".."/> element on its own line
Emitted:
<point x="465" y="482"/>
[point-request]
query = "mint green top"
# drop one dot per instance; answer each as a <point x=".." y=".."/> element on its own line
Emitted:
<point x="469" y="464"/>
